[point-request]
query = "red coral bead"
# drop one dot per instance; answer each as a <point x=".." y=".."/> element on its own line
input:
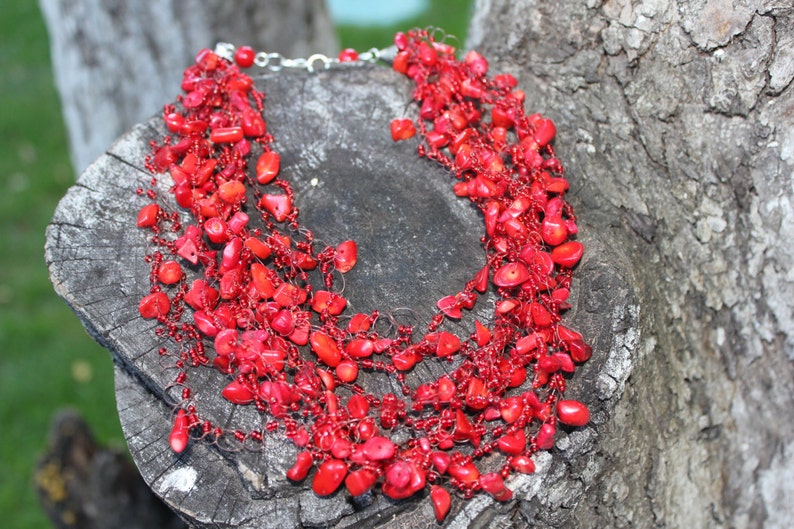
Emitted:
<point x="580" y="351"/>
<point x="567" y="254"/>
<point x="169" y="273"/>
<point x="466" y="473"/>
<point x="147" y="216"/>
<point x="346" y="256"/>
<point x="347" y="371"/>
<point x="360" y="481"/>
<point x="379" y="448"/>
<point x="155" y="305"/>
<point x="299" y="471"/>
<point x="226" y="135"/>
<point x="329" y="476"/>
<point x="325" y="348"/>
<point x="237" y="393"/>
<point x="450" y="306"/>
<point x="553" y="231"/>
<point x="402" y="129"/>
<point x="441" y="501"/>
<point x="493" y="484"/>
<point x="545" y="437"/>
<point x="268" y="166"/>
<point x="511" y="275"/>
<point x="573" y="413"/>
<point x="280" y="206"/>
<point x="179" y="436"/>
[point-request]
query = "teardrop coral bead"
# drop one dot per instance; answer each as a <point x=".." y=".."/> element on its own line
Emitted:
<point x="441" y="501"/>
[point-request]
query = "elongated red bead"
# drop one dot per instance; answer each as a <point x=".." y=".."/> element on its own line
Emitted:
<point x="226" y="135"/>
<point x="303" y="463"/>
<point x="325" y="348"/>
<point x="180" y="431"/>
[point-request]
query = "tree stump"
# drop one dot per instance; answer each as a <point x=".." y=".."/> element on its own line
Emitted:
<point x="417" y="242"/>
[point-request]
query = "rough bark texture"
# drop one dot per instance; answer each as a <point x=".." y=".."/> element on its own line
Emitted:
<point x="417" y="243"/>
<point x="675" y="124"/>
<point x="116" y="62"/>
<point x="676" y="119"/>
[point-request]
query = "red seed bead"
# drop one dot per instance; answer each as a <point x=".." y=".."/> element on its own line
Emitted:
<point x="244" y="56"/>
<point x="348" y="55"/>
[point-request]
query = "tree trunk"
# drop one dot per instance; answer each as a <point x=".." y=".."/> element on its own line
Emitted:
<point x="672" y="124"/>
<point x="676" y="120"/>
<point x="117" y="62"/>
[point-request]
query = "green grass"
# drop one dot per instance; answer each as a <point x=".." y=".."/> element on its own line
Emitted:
<point x="47" y="361"/>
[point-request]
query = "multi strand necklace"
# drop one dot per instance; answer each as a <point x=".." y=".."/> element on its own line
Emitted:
<point x="239" y="285"/>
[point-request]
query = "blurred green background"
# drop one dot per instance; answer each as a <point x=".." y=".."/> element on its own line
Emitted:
<point x="47" y="361"/>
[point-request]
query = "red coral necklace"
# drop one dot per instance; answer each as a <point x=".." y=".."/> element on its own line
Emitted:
<point x="252" y="312"/>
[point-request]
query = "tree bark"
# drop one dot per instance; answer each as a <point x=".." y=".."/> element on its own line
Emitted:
<point x="676" y="120"/>
<point x="674" y="123"/>
<point x="117" y="62"/>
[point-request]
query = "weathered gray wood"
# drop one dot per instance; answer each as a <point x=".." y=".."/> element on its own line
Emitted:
<point x="676" y="118"/>
<point x="417" y="242"/>
<point x="116" y="62"/>
<point x="81" y="484"/>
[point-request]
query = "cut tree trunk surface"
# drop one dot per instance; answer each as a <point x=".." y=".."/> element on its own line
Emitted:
<point x="417" y="243"/>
